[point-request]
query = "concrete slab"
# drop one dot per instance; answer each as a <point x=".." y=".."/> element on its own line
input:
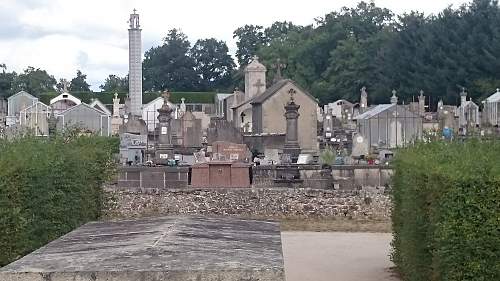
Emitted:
<point x="337" y="256"/>
<point x="167" y="248"/>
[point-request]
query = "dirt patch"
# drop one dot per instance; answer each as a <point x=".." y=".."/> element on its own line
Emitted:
<point x="332" y="225"/>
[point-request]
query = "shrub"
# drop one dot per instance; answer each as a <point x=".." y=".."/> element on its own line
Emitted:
<point x="446" y="214"/>
<point x="327" y="156"/>
<point x="49" y="187"/>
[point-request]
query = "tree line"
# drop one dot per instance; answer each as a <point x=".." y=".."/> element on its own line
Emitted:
<point x="333" y="58"/>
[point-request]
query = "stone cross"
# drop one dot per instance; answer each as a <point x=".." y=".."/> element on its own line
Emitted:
<point x="278" y="65"/>
<point x="394" y="98"/>
<point x="259" y="85"/>
<point x="166" y="96"/>
<point x="292" y="92"/>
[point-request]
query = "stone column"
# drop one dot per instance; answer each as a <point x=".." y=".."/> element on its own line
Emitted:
<point x="291" y="146"/>
<point x="135" y="65"/>
<point x="164" y="147"/>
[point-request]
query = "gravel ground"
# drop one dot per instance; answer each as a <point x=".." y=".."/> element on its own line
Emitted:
<point x="331" y="256"/>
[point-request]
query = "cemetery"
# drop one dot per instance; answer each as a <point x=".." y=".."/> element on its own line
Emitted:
<point x="173" y="185"/>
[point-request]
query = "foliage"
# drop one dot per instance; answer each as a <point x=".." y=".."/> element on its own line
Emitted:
<point x="445" y="211"/>
<point x="33" y="81"/>
<point x="107" y="97"/>
<point x="79" y="83"/>
<point x="6" y="79"/>
<point x="327" y="156"/>
<point x="169" y="66"/>
<point x="214" y="65"/>
<point x="62" y="85"/>
<point x="369" y="46"/>
<point x="115" y="83"/>
<point x="363" y="45"/>
<point x="249" y="39"/>
<point x="49" y="187"/>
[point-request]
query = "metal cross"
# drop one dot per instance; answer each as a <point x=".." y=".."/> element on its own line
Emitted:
<point x="135" y="11"/>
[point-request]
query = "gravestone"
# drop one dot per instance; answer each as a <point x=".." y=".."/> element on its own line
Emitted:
<point x="305" y="159"/>
<point x="291" y="146"/>
<point x="164" y="147"/>
<point x="166" y="248"/>
<point x="191" y="130"/>
<point x="228" y="151"/>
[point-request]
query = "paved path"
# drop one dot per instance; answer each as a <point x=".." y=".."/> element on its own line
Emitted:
<point x="331" y="256"/>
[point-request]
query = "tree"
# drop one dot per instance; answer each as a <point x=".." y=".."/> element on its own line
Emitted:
<point x="214" y="65"/>
<point x="62" y="85"/>
<point x="280" y="30"/>
<point x="170" y="66"/>
<point x="34" y="81"/>
<point x="249" y="39"/>
<point x="79" y="83"/>
<point x="115" y="83"/>
<point x="6" y="79"/>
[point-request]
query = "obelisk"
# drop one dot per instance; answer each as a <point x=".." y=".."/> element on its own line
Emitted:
<point x="135" y="65"/>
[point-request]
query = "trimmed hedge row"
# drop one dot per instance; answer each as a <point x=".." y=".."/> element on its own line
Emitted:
<point x="446" y="211"/>
<point x="48" y="188"/>
<point x="107" y="98"/>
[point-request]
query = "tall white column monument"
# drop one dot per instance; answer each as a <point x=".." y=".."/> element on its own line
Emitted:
<point x="135" y="65"/>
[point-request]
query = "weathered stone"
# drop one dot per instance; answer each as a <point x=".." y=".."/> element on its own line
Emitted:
<point x="168" y="248"/>
<point x="251" y="202"/>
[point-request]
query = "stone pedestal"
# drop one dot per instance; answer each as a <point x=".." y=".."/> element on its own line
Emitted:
<point x="166" y="248"/>
<point x="164" y="148"/>
<point x="291" y="147"/>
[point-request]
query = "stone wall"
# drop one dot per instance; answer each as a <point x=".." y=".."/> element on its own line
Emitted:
<point x="255" y="203"/>
<point x="311" y="176"/>
<point x="356" y="176"/>
<point x="140" y="177"/>
<point x="343" y="177"/>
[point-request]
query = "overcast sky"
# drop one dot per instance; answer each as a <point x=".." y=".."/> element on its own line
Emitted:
<point x="62" y="36"/>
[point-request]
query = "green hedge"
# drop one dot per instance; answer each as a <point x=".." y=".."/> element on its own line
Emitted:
<point x="48" y="188"/>
<point x="446" y="211"/>
<point x="107" y="98"/>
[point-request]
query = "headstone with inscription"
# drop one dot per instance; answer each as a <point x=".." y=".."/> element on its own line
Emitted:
<point x="164" y="148"/>
<point x="227" y="151"/>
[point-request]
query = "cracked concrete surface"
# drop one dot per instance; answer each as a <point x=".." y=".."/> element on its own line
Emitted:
<point x="166" y="248"/>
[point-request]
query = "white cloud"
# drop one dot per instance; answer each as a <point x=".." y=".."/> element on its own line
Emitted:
<point x="62" y="36"/>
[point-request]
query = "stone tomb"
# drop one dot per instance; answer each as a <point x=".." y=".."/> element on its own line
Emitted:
<point x="168" y="248"/>
<point x="220" y="174"/>
<point x="228" y="151"/>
